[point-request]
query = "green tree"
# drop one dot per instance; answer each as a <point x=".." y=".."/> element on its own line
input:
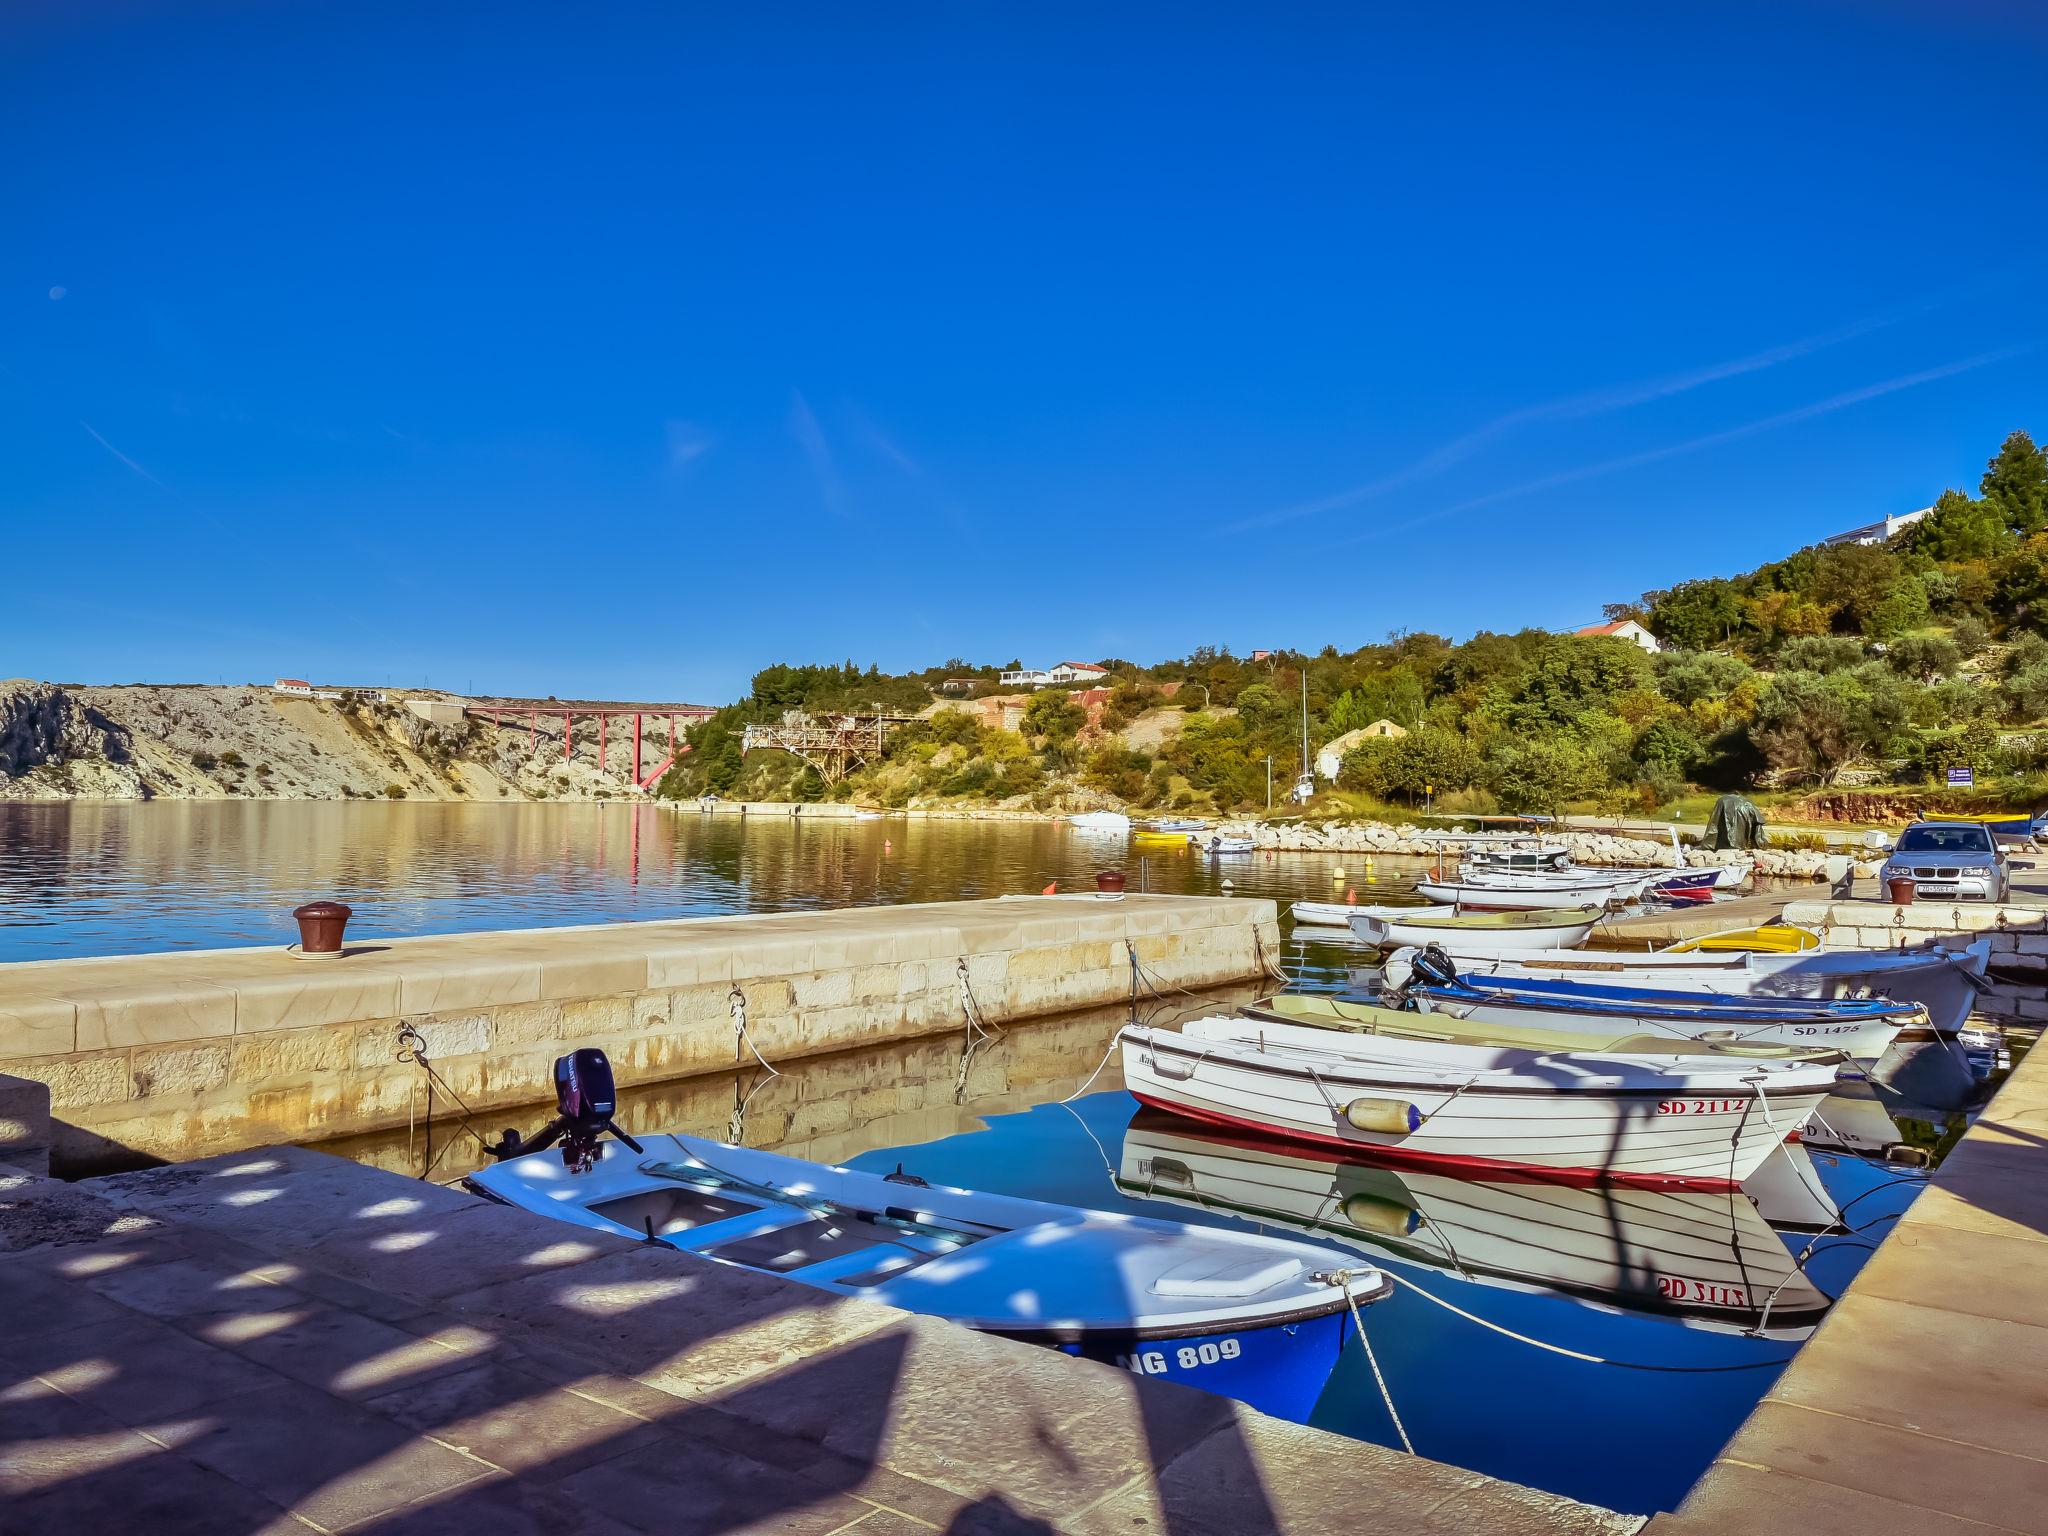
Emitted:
<point x="1820" y="653"/>
<point x="1540" y="774"/>
<point x="1961" y="529"/>
<point x="1052" y="715"/>
<point x="1264" y="713"/>
<point x="1694" y="615"/>
<point x="1804" y="724"/>
<point x="2016" y="483"/>
<point x="1693" y="677"/>
<point x="1924" y="657"/>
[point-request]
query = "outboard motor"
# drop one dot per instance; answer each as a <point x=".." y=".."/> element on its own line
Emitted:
<point x="1433" y="968"/>
<point x="585" y="1101"/>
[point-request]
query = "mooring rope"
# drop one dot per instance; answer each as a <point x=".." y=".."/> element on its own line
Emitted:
<point x="1576" y="1354"/>
<point x="740" y="1034"/>
<point x="412" y="1046"/>
<point x="977" y="1021"/>
<point x="1342" y="1277"/>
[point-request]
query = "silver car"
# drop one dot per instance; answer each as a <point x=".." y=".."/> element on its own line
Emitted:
<point x="1950" y="858"/>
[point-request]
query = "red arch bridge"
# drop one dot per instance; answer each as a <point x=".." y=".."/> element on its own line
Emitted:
<point x="504" y="713"/>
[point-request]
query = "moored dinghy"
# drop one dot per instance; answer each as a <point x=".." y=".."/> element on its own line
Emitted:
<point x="1577" y="1109"/>
<point x="1257" y="1318"/>
<point x="1863" y="1028"/>
<point x="1494" y="932"/>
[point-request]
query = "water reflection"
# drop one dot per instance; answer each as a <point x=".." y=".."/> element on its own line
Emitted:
<point x="118" y="878"/>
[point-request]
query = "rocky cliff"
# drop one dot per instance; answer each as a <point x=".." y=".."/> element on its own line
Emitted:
<point x="65" y="741"/>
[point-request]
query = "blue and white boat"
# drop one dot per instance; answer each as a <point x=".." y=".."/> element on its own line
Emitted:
<point x="1256" y="1318"/>
<point x="1860" y="1028"/>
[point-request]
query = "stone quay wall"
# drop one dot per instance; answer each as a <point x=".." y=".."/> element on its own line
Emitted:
<point x="2018" y="970"/>
<point x="186" y="1055"/>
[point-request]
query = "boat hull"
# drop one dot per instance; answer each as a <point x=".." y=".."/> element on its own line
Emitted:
<point x="1280" y="1370"/>
<point x="1512" y="895"/>
<point x="1680" y="1133"/>
<point x="1389" y="926"/>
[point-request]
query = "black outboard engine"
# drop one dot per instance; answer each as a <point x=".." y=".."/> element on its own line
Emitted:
<point x="585" y="1101"/>
<point x="1432" y="967"/>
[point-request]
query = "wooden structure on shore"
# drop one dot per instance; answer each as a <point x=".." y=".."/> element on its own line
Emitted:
<point x="834" y="744"/>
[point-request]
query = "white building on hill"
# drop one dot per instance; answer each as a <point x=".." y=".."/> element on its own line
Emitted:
<point x="1625" y="629"/>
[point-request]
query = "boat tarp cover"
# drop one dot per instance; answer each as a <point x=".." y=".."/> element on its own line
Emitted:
<point x="1736" y="823"/>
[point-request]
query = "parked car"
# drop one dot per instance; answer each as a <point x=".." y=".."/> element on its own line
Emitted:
<point x="1950" y="858"/>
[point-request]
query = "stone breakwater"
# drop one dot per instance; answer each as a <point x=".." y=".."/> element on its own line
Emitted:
<point x="185" y="1055"/>
<point x="1587" y="848"/>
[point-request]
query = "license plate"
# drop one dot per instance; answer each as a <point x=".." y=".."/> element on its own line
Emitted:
<point x="1938" y="890"/>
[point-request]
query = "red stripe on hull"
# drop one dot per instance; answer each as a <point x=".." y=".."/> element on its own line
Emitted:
<point x="1474" y="1167"/>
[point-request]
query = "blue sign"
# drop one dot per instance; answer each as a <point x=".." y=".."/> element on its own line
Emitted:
<point x="1962" y="778"/>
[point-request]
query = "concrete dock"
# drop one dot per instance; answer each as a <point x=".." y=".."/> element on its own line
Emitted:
<point x="277" y="1340"/>
<point x="184" y="1055"/>
<point x="1921" y="1404"/>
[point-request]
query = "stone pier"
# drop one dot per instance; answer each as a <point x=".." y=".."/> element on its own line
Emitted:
<point x="184" y="1055"/>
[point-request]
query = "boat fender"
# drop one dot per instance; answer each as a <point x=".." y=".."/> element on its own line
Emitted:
<point x="1389" y="1117"/>
<point x="1384" y="1218"/>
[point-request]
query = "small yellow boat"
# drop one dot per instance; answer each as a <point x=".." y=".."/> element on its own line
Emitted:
<point x="1770" y="939"/>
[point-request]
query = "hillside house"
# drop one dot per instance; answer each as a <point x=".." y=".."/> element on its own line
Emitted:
<point x="1879" y="532"/>
<point x="1625" y="629"/>
<point x="1065" y="675"/>
<point x="1331" y="758"/>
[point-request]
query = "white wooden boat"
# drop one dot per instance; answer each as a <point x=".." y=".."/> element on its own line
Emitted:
<point x="1511" y="891"/>
<point x="1323" y="914"/>
<point x="1245" y="1315"/>
<point x="1645" y="1111"/>
<point x="1100" y="821"/>
<point x="1535" y="856"/>
<point x="1218" y="842"/>
<point x="1493" y="932"/>
<point x="1708" y="1260"/>
<point x="1861" y="1028"/>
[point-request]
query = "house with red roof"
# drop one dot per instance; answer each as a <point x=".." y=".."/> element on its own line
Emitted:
<point x="1625" y="629"/>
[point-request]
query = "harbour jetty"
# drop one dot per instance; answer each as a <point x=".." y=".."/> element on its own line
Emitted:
<point x="179" y="1056"/>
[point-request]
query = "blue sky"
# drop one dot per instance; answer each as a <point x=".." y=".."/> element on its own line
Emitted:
<point x="623" y="350"/>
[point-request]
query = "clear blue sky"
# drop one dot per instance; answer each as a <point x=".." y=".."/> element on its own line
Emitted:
<point x="623" y="350"/>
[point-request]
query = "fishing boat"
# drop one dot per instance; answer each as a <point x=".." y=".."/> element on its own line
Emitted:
<point x="1789" y="963"/>
<point x="1261" y="1319"/>
<point x="1511" y="891"/>
<point x="1492" y="932"/>
<point x="1706" y="1260"/>
<point x="1218" y="842"/>
<point x="1584" y="1109"/>
<point x="1860" y="1028"/>
<point x="1100" y="821"/>
<point x="1178" y="824"/>
<point x="1534" y="857"/>
<point x="1323" y="914"/>
<point x="1925" y="1061"/>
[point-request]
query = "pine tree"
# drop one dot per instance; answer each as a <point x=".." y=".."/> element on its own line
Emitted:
<point x="2016" y="482"/>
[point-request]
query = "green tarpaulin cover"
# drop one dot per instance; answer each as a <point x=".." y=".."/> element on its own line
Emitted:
<point x="1736" y="823"/>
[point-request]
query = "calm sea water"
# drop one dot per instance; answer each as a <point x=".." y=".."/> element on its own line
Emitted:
<point x="1617" y="1276"/>
<point x="96" y="879"/>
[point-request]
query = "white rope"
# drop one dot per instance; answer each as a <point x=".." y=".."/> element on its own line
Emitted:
<point x="1342" y="1277"/>
<point x="977" y="1024"/>
<point x="1573" y="1354"/>
<point x="741" y="1037"/>
<point x="1115" y="1041"/>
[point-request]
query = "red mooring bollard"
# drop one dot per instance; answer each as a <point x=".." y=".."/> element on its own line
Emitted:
<point x="321" y="924"/>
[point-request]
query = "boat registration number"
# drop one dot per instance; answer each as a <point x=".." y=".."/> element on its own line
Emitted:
<point x="1708" y="1292"/>
<point x="1811" y="1030"/>
<point x="1154" y="1362"/>
<point x="1699" y="1106"/>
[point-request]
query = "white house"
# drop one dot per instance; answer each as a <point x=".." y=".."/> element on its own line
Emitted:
<point x="298" y="687"/>
<point x="1331" y="758"/>
<point x="1877" y="533"/>
<point x="1061" y="676"/>
<point x="1625" y="629"/>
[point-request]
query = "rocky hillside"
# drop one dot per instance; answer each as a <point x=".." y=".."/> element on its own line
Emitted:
<point x="62" y="741"/>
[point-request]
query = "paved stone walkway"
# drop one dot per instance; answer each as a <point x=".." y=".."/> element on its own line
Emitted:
<point x="277" y="1341"/>
<point x="1921" y="1405"/>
